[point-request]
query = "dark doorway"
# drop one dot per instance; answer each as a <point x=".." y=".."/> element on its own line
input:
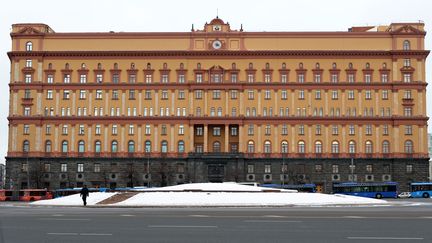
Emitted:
<point x="216" y="173"/>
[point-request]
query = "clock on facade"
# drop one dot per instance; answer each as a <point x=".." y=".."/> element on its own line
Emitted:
<point x="217" y="44"/>
<point x="217" y="28"/>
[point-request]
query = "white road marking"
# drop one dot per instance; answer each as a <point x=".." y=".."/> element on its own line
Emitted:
<point x="273" y="216"/>
<point x="272" y="221"/>
<point x="354" y="217"/>
<point x="62" y="233"/>
<point x="182" y="226"/>
<point x="127" y="215"/>
<point x="94" y="234"/>
<point x="199" y="216"/>
<point x="57" y="219"/>
<point x="57" y="215"/>
<point x="384" y="238"/>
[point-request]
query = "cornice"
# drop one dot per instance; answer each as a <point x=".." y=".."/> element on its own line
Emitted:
<point x="220" y="53"/>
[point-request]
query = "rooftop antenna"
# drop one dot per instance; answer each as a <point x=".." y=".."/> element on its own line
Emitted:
<point x="217" y="13"/>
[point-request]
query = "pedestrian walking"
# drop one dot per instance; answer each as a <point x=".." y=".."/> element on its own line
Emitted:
<point x="84" y="194"/>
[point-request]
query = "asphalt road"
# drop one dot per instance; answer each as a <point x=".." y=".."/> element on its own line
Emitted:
<point x="404" y="222"/>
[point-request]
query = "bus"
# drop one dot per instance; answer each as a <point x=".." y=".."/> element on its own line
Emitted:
<point x="372" y="190"/>
<point x="6" y="195"/>
<point x="421" y="189"/>
<point x="34" y="194"/>
<point x="298" y="187"/>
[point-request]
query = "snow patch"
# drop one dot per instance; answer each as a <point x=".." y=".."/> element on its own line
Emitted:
<point x="75" y="200"/>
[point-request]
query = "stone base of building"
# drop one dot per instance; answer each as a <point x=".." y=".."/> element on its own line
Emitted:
<point x="132" y="172"/>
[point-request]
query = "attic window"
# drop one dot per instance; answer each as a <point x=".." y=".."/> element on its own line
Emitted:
<point x="406" y="45"/>
<point x="29" y="46"/>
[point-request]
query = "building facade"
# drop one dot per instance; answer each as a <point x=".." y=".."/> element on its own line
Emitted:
<point x="122" y="109"/>
<point x="2" y="176"/>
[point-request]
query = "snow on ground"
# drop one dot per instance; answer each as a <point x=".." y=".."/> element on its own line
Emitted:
<point x="75" y="200"/>
<point x="217" y="195"/>
<point x="238" y="199"/>
<point x="215" y="187"/>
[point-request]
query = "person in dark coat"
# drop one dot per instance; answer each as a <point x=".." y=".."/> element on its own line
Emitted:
<point x="84" y="194"/>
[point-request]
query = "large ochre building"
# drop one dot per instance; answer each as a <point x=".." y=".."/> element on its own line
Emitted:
<point x="118" y="109"/>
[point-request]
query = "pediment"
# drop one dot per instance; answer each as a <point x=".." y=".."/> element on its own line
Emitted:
<point x="408" y="29"/>
<point x="29" y="31"/>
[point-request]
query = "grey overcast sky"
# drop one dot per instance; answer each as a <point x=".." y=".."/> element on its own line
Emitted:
<point x="174" y="15"/>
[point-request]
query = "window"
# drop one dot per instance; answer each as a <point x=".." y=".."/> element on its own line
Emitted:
<point x="318" y="147"/>
<point x="408" y="147"/>
<point x="28" y="78"/>
<point x="131" y="146"/>
<point x="65" y="129"/>
<point x="64" y="146"/>
<point x="27" y="111"/>
<point x="198" y="94"/>
<point x="407" y="94"/>
<point x="267" y="147"/>
<point x="369" y="168"/>
<point x="216" y="131"/>
<point x="301" y="130"/>
<point x="284" y="147"/>
<point x="408" y="130"/>
<point x="284" y="129"/>
<point x="267" y="169"/>
<point x="368" y="147"/>
<point x="83" y="78"/>
<point x="250" y="94"/>
<point x="335" y="130"/>
<point x="284" y="95"/>
<point x="114" y="130"/>
<point x="407" y="77"/>
<point x="164" y="146"/>
<point x="334" y="94"/>
<point x="300" y="78"/>
<point x="26" y="146"/>
<point x="50" y="78"/>
<point x="351" y="147"/>
<point x="164" y="95"/>
<point x="301" y="95"/>
<point x="81" y="146"/>
<point x="181" y="130"/>
<point x="216" y="94"/>
<point x="115" y="78"/>
<point x="131" y="94"/>
<point x="63" y="167"/>
<point x="132" y="78"/>
<point x="98" y="94"/>
<point x="406" y="45"/>
<point x="28" y="63"/>
<point x="351" y="130"/>
<point x="81" y="130"/>
<point x="251" y="147"/>
<point x="199" y="78"/>
<point x="114" y="146"/>
<point x="317" y="94"/>
<point x="29" y="46"/>
<point x="217" y="147"/>
<point x="384" y="78"/>
<point x="351" y="94"/>
<point x="335" y="169"/>
<point x="181" y="78"/>
<point x="97" y="146"/>
<point x="250" y="169"/>
<point x="251" y="130"/>
<point x="131" y="129"/>
<point x="148" y="78"/>
<point x="80" y="167"/>
<point x="181" y="146"/>
<point x="386" y="147"/>
<point x="367" y="78"/>
<point x="48" y="146"/>
<point x="163" y="130"/>
<point x="384" y="95"/>
<point x="318" y="129"/>
<point x="409" y="169"/>
<point x="385" y="130"/>
<point x="334" y="78"/>
<point x="301" y="147"/>
<point x="199" y="131"/>
<point x="317" y="78"/>
<point x="234" y="131"/>
<point x="267" y="95"/>
<point x="181" y="94"/>
<point x="66" y="78"/>
<point x="407" y="111"/>
<point x="368" y="129"/>
<point x="233" y="78"/>
<point x="147" y="146"/>
<point x="97" y="167"/>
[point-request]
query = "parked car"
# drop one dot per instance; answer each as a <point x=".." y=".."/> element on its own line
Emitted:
<point x="404" y="195"/>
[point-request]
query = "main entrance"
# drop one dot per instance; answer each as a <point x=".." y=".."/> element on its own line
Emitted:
<point x="216" y="172"/>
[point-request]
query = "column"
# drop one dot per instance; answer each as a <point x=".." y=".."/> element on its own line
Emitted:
<point x="191" y="108"/>
<point x="156" y="140"/>
<point x="72" y="143"/>
<point x="259" y="103"/>
<point x="38" y="138"/>
<point x="122" y="138"/>
<point x="191" y="139"/>
<point x="171" y="147"/>
<point x="226" y="104"/>
<point x="396" y="139"/>
<point x="123" y="108"/>
<point x="259" y="142"/>
<point x="156" y="110"/>
<point x="205" y="105"/>
<point x="227" y="134"/>
<point x="73" y="112"/>
<point x="56" y="136"/>
<point x="173" y="103"/>
<point x="205" y="138"/>
<point x="326" y="112"/>
<point x="39" y="103"/>
<point x="140" y="108"/>
<point x="89" y="138"/>
<point x="276" y="143"/>
<point x="105" y="149"/>
<point x="241" y="111"/>
<point x="344" y="142"/>
<point x="39" y="71"/>
<point x="241" y="149"/>
<point x="140" y="135"/>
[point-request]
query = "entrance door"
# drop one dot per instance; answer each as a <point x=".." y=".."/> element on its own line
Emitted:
<point x="216" y="173"/>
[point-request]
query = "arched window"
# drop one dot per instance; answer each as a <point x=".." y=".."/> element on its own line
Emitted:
<point x="267" y="147"/>
<point x="250" y="65"/>
<point x="251" y="147"/>
<point x="233" y="111"/>
<point x="81" y="146"/>
<point x="26" y="146"/>
<point x="83" y="65"/>
<point x="115" y="66"/>
<point x="409" y="147"/>
<point x="181" y="65"/>
<point x="350" y="65"/>
<point x="351" y="147"/>
<point x="131" y="146"/>
<point x="267" y="65"/>
<point x="406" y="45"/>
<point x="284" y="147"/>
<point x="148" y="65"/>
<point x="335" y="147"/>
<point x="132" y="66"/>
<point x="114" y="146"/>
<point x="368" y="147"/>
<point x="334" y="65"/>
<point x="64" y="146"/>
<point x="385" y="147"/>
<point x="165" y="65"/>
<point x="216" y="147"/>
<point x="283" y="65"/>
<point x="29" y="46"/>
<point x="148" y="146"/>
<point x="50" y="66"/>
<point x="48" y="148"/>
<point x="219" y="111"/>
<point x="317" y="65"/>
<point x="301" y="147"/>
<point x="98" y="146"/>
<point x="164" y="146"/>
<point x="67" y="66"/>
<point x="318" y="147"/>
<point x="367" y="65"/>
<point x="212" y="111"/>
<point x="198" y="66"/>
<point x="301" y="65"/>
<point x="181" y="146"/>
<point x="99" y="66"/>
